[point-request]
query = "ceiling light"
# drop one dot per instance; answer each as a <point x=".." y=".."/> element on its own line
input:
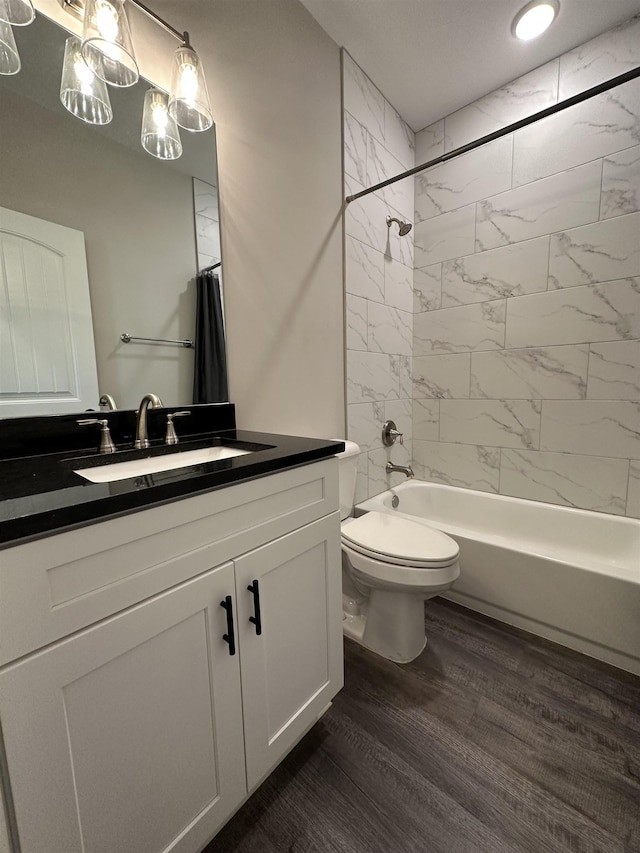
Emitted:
<point x="534" y="18"/>
<point x="18" y="13"/>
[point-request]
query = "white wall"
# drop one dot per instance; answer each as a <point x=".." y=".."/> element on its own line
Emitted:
<point x="274" y="81"/>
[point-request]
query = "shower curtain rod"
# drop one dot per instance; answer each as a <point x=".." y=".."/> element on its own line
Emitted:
<point x="510" y="128"/>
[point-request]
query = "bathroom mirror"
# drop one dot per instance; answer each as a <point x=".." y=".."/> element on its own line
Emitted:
<point x="144" y="238"/>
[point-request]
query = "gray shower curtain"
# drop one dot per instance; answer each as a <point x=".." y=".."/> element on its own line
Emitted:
<point x="210" y="370"/>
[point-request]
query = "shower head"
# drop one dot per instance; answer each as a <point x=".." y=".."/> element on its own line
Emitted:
<point x="404" y="227"/>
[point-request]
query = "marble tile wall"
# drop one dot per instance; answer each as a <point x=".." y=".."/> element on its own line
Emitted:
<point x="379" y="278"/>
<point x="207" y="220"/>
<point x="526" y="292"/>
<point x="207" y="223"/>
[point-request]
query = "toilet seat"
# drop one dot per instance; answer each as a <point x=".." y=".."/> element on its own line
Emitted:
<point x="399" y="541"/>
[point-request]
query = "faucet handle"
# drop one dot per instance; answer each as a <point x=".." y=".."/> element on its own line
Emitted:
<point x="390" y="433"/>
<point x="171" y="437"/>
<point x="106" y="442"/>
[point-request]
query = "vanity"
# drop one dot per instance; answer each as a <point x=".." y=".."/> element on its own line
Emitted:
<point x="165" y="639"/>
<point x="170" y="616"/>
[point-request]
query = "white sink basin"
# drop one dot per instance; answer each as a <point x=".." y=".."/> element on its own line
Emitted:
<point x="154" y="464"/>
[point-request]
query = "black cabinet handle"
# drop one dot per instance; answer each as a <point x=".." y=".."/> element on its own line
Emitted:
<point x="257" y="621"/>
<point x="229" y="637"/>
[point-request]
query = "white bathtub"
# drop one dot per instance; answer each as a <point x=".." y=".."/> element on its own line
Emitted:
<point x="569" y="575"/>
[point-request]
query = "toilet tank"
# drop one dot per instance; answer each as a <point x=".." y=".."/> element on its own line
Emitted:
<point x="348" y="468"/>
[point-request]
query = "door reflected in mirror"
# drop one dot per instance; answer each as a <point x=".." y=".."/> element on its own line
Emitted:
<point x="148" y="226"/>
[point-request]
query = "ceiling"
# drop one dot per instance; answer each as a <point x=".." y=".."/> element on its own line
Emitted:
<point x="431" y="57"/>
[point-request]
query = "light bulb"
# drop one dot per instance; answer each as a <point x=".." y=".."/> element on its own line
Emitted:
<point x="160" y="118"/>
<point x="107" y="21"/>
<point x="189" y="82"/>
<point x="84" y="75"/>
<point x="534" y="19"/>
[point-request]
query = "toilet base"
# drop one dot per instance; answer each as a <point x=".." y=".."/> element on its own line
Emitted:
<point x="391" y="624"/>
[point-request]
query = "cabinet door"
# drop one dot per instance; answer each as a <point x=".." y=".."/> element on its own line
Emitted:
<point x="127" y="737"/>
<point x="294" y="667"/>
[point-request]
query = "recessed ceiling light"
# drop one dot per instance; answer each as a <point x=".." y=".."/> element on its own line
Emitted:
<point x="534" y="18"/>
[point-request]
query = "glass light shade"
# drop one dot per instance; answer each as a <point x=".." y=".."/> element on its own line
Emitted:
<point x="18" y="13"/>
<point x="81" y="92"/>
<point x="106" y="43"/>
<point x="189" y="100"/>
<point x="160" y="135"/>
<point x="9" y="56"/>
<point x="534" y="19"/>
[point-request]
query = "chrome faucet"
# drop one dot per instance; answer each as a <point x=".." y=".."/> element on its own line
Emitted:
<point x="155" y="402"/>
<point x="401" y="469"/>
<point x="107" y="402"/>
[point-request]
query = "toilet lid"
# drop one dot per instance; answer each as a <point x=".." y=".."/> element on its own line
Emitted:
<point x="392" y="538"/>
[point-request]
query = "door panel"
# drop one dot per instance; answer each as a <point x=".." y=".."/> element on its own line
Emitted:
<point x="47" y="355"/>
<point x="112" y="735"/>
<point x="291" y="671"/>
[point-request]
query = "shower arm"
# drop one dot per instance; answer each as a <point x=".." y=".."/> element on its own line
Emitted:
<point x="510" y="128"/>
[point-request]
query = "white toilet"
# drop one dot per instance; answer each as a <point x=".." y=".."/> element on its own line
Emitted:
<point x="390" y="566"/>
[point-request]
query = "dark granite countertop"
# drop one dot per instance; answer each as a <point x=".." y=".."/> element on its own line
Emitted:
<point x="41" y="495"/>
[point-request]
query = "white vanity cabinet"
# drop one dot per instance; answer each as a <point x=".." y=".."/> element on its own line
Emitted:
<point x="141" y="732"/>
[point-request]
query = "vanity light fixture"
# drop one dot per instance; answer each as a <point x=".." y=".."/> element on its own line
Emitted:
<point x="160" y="136"/>
<point x="107" y="50"/>
<point x="18" y="13"/>
<point x="189" y="100"/>
<point x="106" y="32"/>
<point x="534" y="18"/>
<point x="9" y="56"/>
<point x="106" y="43"/>
<point x="83" y="93"/>
<point x="106" y="55"/>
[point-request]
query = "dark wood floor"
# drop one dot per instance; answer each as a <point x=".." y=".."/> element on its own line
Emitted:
<point x="492" y="740"/>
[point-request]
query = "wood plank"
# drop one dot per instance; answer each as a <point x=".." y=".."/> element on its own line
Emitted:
<point x="611" y="800"/>
<point x="589" y="726"/>
<point x="420" y="807"/>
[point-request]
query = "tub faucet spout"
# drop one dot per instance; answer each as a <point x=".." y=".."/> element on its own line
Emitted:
<point x="406" y="470"/>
